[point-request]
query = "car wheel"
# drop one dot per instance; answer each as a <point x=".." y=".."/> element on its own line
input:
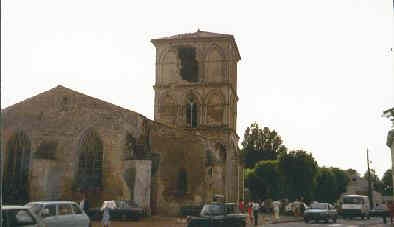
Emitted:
<point x="306" y="220"/>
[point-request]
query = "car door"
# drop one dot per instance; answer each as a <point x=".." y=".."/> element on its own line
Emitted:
<point x="49" y="218"/>
<point x="79" y="217"/>
<point x="65" y="215"/>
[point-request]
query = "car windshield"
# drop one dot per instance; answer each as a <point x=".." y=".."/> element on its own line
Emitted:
<point x="321" y="206"/>
<point x="36" y="208"/>
<point x="209" y="210"/>
<point x="352" y="200"/>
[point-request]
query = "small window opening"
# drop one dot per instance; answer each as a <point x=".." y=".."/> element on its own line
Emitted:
<point x="191" y="114"/>
<point x="182" y="181"/>
<point x="210" y="172"/>
<point x="189" y="65"/>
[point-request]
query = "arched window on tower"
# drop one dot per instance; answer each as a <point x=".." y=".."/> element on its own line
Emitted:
<point x="191" y="113"/>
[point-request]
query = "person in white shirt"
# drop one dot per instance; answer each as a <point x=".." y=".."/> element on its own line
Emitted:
<point x="256" y="208"/>
<point x="276" y="205"/>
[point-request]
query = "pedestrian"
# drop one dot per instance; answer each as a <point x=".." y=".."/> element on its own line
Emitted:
<point x="383" y="207"/>
<point x="262" y="205"/>
<point x="84" y="204"/>
<point x="107" y="205"/>
<point x="241" y="206"/>
<point x="276" y="205"/>
<point x="296" y="208"/>
<point x="302" y="206"/>
<point x="250" y="212"/>
<point x="256" y="208"/>
<point x="391" y="210"/>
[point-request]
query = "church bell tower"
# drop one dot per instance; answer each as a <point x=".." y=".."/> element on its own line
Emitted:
<point x="196" y="89"/>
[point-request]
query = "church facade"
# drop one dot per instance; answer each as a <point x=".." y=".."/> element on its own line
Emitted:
<point x="61" y="143"/>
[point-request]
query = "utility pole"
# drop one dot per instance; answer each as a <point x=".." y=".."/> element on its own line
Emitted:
<point x="369" y="184"/>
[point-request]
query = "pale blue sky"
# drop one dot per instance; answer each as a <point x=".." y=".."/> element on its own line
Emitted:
<point x="317" y="71"/>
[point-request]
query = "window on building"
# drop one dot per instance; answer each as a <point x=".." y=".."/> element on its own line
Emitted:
<point x="15" y="189"/>
<point x="191" y="114"/>
<point x="189" y="65"/>
<point x="182" y="181"/>
<point x="90" y="161"/>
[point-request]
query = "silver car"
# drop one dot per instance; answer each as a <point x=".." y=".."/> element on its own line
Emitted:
<point x="14" y="216"/>
<point x="60" y="213"/>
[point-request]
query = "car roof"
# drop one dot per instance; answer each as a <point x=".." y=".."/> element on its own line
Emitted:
<point x="11" y="207"/>
<point x="364" y="196"/>
<point x="52" y="202"/>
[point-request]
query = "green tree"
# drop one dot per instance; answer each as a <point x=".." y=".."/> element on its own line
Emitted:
<point x="342" y="180"/>
<point x="261" y="144"/>
<point x="326" y="186"/>
<point x="265" y="181"/>
<point x="299" y="169"/>
<point x="387" y="181"/>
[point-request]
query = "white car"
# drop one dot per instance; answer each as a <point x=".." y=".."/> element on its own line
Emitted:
<point x="60" y="213"/>
<point x="19" y="216"/>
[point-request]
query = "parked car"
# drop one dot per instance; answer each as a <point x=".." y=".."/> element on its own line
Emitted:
<point x="60" y="213"/>
<point x="123" y="210"/>
<point x="218" y="215"/>
<point x="13" y="216"/>
<point x="320" y="211"/>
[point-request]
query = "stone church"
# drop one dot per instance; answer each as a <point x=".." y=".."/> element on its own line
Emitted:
<point x="61" y="144"/>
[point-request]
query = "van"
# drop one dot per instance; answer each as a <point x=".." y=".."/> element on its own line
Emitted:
<point x="355" y="206"/>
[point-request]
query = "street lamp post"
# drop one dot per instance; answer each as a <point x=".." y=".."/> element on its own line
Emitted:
<point x="369" y="184"/>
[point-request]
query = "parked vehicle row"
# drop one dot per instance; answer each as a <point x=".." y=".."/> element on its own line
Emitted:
<point x="65" y="214"/>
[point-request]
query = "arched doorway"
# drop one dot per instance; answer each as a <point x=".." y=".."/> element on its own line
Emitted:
<point x="90" y="166"/>
<point x="16" y="183"/>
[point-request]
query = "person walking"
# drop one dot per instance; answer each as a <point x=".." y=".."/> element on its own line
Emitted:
<point x="250" y="212"/>
<point x="390" y="207"/>
<point x="256" y="208"/>
<point x="84" y="204"/>
<point x="276" y="205"/>
<point x="241" y="206"/>
<point x="107" y="205"/>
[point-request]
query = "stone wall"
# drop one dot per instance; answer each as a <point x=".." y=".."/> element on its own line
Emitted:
<point x="180" y="151"/>
<point x="45" y="119"/>
<point x="142" y="181"/>
<point x="64" y="116"/>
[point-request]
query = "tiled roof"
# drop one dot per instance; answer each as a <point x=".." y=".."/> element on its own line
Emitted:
<point x="198" y="34"/>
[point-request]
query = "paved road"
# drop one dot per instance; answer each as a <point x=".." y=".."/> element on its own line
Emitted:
<point x="172" y="222"/>
<point x="373" y="222"/>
